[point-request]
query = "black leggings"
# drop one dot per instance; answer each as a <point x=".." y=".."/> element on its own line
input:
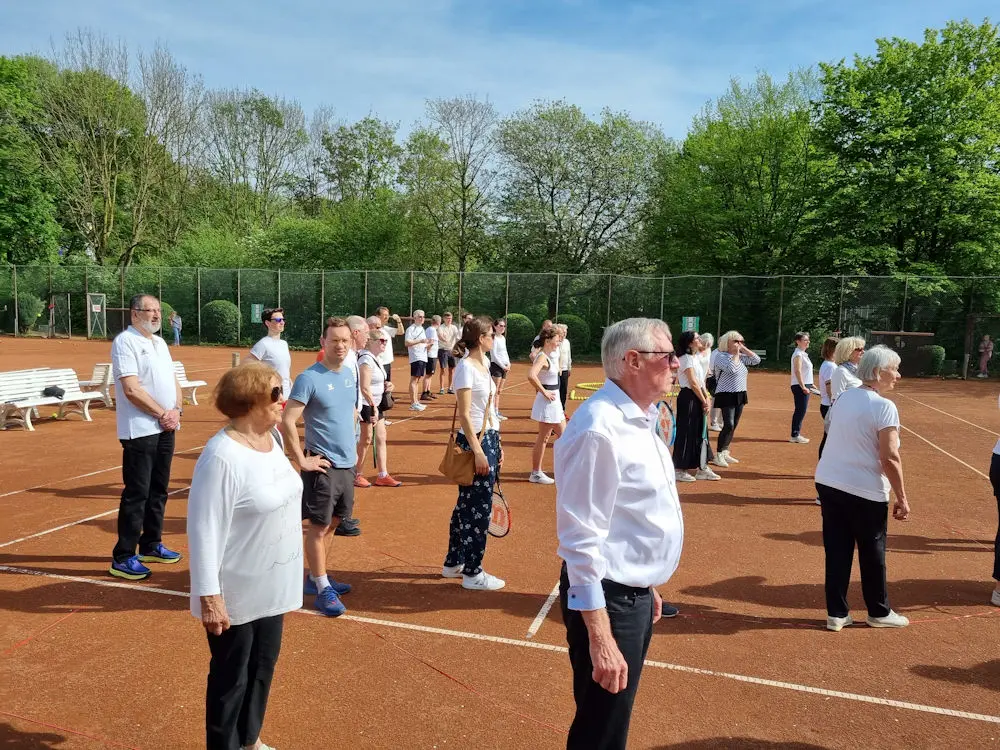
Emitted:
<point x="823" y="409"/>
<point x="801" y="409"/>
<point x="995" y="481"/>
<point x="730" y="420"/>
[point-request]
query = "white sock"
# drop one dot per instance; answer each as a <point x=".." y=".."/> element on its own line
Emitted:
<point x="321" y="582"/>
<point x="383" y="474"/>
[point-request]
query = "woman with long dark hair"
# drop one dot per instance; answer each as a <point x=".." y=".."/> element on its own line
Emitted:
<point x="693" y="406"/>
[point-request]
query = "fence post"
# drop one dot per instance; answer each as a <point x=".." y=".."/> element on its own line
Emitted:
<point x="366" y="294"/>
<point x="159" y="283"/>
<point x="411" y="293"/>
<point x="506" y="298"/>
<point x="718" y="320"/>
<point x="663" y="290"/>
<point x="86" y="300"/>
<point x="557" y="294"/>
<point x="906" y="291"/>
<point x="17" y="310"/>
<point x="239" y="306"/>
<point x="610" y="278"/>
<point x="279" y="287"/>
<point x="322" y="296"/>
<point x="121" y="287"/>
<point x="198" y="275"/>
<point x="461" y="275"/>
<point x="49" y="301"/>
<point x="781" y="313"/>
<point x="840" y="315"/>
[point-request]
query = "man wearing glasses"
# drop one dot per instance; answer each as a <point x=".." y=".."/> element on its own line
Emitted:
<point x="273" y="350"/>
<point x="148" y="414"/>
<point x="620" y="528"/>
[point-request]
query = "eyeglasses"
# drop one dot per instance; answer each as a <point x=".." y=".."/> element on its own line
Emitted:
<point x="147" y="309"/>
<point x="277" y="320"/>
<point x="275" y="394"/>
<point x="671" y="355"/>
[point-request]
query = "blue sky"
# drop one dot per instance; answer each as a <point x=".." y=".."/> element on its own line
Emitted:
<point x="660" y="61"/>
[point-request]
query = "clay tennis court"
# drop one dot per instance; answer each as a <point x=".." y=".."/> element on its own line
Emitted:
<point x="88" y="661"/>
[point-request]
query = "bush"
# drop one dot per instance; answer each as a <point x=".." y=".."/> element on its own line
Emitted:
<point x="520" y="334"/>
<point x="29" y="309"/>
<point x="165" y="311"/>
<point x="578" y="331"/>
<point x="931" y="359"/>
<point x="536" y="314"/>
<point x="220" y="320"/>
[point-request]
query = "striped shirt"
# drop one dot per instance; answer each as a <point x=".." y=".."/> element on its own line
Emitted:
<point x="730" y="376"/>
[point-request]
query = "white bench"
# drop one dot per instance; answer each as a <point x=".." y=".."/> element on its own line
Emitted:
<point x="189" y="388"/>
<point x="21" y="395"/>
<point x="101" y="381"/>
<point x="74" y="399"/>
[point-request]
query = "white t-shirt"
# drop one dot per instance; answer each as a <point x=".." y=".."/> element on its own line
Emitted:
<point x="385" y="357"/>
<point x="843" y="380"/>
<point x="498" y="354"/>
<point x="351" y="360"/>
<point x="368" y="360"/>
<point x="418" y="352"/>
<point x="274" y="352"/>
<point x="432" y="339"/>
<point x="850" y="461"/>
<point x="244" y="526"/>
<point x="690" y="362"/>
<point x="807" y="367"/>
<point x="448" y="335"/>
<point x="149" y="360"/>
<point x="826" y="371"/>
<point x="565" y="356"/>
<point x="468" y="375"/>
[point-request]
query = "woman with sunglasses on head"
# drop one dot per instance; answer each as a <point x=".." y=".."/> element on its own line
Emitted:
<point x="693" y="406"/>
<point x="499" y="360"/>
<point x="244" y="532"/>
<point x="273" y="350"/>
<point x="374" y="386"/>
<point x="729" y="366"/>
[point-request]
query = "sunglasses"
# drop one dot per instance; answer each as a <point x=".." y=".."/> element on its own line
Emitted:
<point x="275" y="394"/>
<point x="383" y="341"/>
<point x="277" y="320"/>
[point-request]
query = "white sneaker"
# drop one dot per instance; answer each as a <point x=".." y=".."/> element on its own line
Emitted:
<point x="995" y="599"/>
<point x="799" y="439"/>
<point x="729" y="459"/>
<point x="707" y="474"/>
<point x="482" y="582"/>
<point x="386" y="422"/>
<point x="540" y="477"/>
<point x="720" y="461"/>
<point x="891" y="620"/>
<point x="982" y="375"/>
<point x="683" y="476"/>
<point x="501" y="417"/>
<point x="715" y="427"/>
<point x="417" y="407"/>
<point x="261" y="746"/>
<point x="836" y="623"/>
<point x="452" y="571"/>
<point x="818" y="501"/>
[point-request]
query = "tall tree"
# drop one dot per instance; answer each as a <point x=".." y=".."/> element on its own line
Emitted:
<point x="434" y="218"/>
<point x="361" y="159"/>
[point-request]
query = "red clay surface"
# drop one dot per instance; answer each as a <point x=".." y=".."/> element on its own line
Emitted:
<point x="89" y="666"/>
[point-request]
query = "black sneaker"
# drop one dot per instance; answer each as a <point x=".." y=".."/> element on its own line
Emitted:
<point x="668" y="610"/>
<point x="348" y="527"/>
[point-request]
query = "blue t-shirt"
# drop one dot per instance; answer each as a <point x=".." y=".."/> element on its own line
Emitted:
<point x="330" y="397"/>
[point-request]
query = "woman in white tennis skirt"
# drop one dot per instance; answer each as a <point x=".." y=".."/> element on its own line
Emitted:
<point x="547" y="409"/>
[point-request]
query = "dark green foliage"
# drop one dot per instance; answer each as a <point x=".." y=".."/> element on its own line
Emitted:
<point x="29" y="310"/>
<point x="931" y="359"/>
<point x="520" y="333"/>
<point x="220" y="320"/>
<point x="578" y="331"/>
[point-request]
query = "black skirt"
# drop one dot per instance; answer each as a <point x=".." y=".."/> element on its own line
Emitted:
<point x="690" y="426"/>
<point x="729" y="400"/>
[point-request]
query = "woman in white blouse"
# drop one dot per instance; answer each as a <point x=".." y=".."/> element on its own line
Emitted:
<point x="802" y="385"/>
<point x="374" y="386"/>
<point x="693" y="405"/>
<point x="860" y="465"/>
<point x="244" y="530"/>
<point x="499" y="360"/>
<point x="846" y="356"/>
<point x="826" y="371"/>
<point x="475" y="395"/>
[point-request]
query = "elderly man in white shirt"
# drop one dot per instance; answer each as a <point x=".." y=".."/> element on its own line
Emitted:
<point x="620" y="528"/>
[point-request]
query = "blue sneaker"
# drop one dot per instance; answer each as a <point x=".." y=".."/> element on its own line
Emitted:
<point x="130" y="570"/>
<point x="309" y="588"/>
<point x="329" y="603"/>
<point x="160" y="555"/>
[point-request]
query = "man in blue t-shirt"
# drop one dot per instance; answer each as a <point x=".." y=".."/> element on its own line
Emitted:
<point x="325" y="396"/>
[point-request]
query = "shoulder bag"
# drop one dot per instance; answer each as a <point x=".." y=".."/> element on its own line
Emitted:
<point x="458" y="464"/>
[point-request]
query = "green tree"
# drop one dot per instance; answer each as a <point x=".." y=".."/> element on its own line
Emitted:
<point x="361" y="159"/>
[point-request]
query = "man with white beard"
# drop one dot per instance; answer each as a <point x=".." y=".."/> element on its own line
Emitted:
<point x="149" y="408"/>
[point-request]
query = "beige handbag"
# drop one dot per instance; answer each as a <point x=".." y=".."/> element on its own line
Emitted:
<point x="459" y="465"/>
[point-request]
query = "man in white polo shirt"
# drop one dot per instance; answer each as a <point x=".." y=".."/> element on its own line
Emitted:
<point x="148" y="414"/>
<point x="391" y="330"/>
<point x="416" y="342"/>
<point x="620" y="528"/>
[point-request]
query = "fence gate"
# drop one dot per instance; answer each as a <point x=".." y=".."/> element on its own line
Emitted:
<point x="97" y="322"/>
<point x="60" y="325"/>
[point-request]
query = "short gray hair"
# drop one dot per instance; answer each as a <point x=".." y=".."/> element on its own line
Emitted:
<point x="631" y="333"/>
<point x="879" y="357"/>
<point x="357" y="323"/>
<point x="707" y="339"/>
<point x="417" y="313"/>
<point x="374" y="320"/>
<point x="435" y="318"/>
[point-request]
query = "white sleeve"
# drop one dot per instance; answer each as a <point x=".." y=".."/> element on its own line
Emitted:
<point x="463" y="377"/>
<point x="838" y="383"/>
<point x="886" y="414"/>
<point x="258" y="350"/>
<point x="123" y="359"/>
<point x="211" y="502"/>
<point x="585" y="498"/>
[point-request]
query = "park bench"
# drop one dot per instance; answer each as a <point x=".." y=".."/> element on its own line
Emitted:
<point x="101" y="380"/>
<point x="21" y="396"/>
<point x="189" y="388"/>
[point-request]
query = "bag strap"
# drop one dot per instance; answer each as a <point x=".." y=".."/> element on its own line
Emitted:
<point x="486" y="414"/>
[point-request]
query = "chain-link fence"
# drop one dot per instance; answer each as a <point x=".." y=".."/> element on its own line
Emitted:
<point x="768" y="310"/>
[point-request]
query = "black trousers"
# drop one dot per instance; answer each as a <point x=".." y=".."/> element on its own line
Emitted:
<point x="146" y="473"/>
<point x="730" y="421"/>
<point x="564" y="387"/>
<point x="849" y="520"/>
<point x="801" y="409"/>
<point x="602" y="718"/>
<point x="995" y="481"/>
<point x="823" y="409"/>
<point x="239" y="680"/>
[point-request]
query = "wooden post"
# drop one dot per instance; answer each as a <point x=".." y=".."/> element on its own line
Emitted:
<point x="718" y="322"/>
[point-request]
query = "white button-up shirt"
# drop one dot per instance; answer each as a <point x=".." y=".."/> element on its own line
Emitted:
<point x="617" y="511"/>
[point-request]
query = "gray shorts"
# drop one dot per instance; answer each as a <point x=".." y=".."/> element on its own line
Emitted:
<point x="326" y="494"/>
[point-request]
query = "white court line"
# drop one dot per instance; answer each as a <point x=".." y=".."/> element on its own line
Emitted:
<point x="949" y="455"/>
<point x="949" y="414"/>
<point x="76" y="523"/>
<point x="558" y="649"/>
<point x="84" y="476"/>
<point x="543" y="612"/>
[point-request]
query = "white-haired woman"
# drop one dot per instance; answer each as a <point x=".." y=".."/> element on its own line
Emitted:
<point x="846" y="356"/>
<point x="565" y="362"/>
<point x="729" y="365"/>
<point x="547" y="411"/>
<point x="374" y="385"/>
<point x="860" y="465"/>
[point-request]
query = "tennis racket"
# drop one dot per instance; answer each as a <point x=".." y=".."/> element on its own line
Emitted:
<point x="500" y="513"/>
<point x="665" y="427"/>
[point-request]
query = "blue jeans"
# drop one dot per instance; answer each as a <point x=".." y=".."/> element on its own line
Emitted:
<point x="801" y="408"/>
<point x="471" y="517"/>
<point x="177" y="337"/>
